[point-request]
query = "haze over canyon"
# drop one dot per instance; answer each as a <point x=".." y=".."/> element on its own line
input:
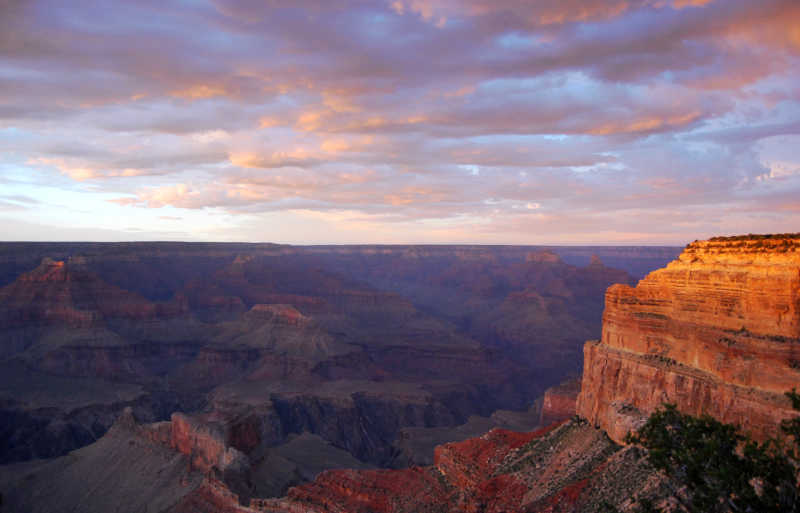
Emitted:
<point x="297" y="358"/>
<point x="239" y="378"/>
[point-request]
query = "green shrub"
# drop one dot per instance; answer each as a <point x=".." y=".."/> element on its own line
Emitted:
<point x="718" y="469"/>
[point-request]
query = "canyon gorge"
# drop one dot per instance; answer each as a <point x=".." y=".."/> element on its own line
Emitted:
<point x="370" y="378"/>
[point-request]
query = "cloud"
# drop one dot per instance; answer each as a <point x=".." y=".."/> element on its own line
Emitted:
<point x="298" y="157"/>
<point x="490" y="118"/>
<point x="19" y="198"/>
<point x="535" y="14"/>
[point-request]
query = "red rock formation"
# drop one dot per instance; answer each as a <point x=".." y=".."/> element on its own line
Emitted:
<point x="466" y="464"/>
<point x="461" y="480"/>
<point x="59" y="292"/>
<point x="566" y="468"/>
<point x="559" y="402"/>
<point x="369" y="491"/>
<point x="211" y="443"/>
<point x="201" y="441"/>
<point x="717" y="331"/>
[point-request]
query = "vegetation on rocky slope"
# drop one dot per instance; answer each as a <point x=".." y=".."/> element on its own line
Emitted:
<point x="716" y="468"/>
<point x="753" y="236"/>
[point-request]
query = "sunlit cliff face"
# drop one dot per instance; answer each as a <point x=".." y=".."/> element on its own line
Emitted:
<point x="507" y="121"/>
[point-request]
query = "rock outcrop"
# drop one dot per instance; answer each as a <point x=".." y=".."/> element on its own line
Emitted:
<point x="568" y="467"/>
<point x="717" y="331"/>
<point x="559" y="402"/>
<point x="69" y="293"/>
<point x="204" y="443"/>
<point x="124" y="471"/>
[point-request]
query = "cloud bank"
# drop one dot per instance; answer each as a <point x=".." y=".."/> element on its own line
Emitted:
<point x="504" y="121"/>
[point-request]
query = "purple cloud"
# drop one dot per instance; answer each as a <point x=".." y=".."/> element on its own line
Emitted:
<point x="451" y="118"/>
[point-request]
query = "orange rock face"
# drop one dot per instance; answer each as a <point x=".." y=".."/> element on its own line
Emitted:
<point x="204" y="441"/>
<point x="286" y="314"/>
<point x="559" y="402"/>
<point x="717" y="331"/>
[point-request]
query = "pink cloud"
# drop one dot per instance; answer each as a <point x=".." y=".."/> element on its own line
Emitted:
<point x="584" y="108"/>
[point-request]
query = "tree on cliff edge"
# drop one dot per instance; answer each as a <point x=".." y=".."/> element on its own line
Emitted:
<point x="717" y="468"/>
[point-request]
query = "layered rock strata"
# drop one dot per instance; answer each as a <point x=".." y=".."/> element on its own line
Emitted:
<point x="559" y="402"/>
<point x="68" y="293"/>
<point x="717" y="331"/>
<point x="569" y="467"/>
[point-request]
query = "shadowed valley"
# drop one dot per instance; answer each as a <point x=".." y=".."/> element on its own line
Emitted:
<point x="264" y="365"/>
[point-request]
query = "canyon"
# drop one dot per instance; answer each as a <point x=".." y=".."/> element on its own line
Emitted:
<point x="251" y="375"/>
<point x="715" y="332"/>
<point x="383" y="352"/>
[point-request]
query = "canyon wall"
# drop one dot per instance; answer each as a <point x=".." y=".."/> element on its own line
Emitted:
<point x="301" y="331"/>
<point x="717" y="331"/>
<point x="559" y="402"/>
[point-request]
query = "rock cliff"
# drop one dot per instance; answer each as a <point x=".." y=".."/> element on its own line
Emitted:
<point x="559" y="401"/>
<point x="717" y="331"/>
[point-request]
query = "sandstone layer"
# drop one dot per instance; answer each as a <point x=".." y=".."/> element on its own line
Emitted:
<point x="559" y="402"/>
<point x="717" y="331"/>
<point x="69" y="293"/>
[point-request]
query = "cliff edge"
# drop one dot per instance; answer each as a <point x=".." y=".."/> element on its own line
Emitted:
<point x="717" y="331"/>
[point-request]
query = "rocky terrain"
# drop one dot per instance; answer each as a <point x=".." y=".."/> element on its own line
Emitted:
<point x="189" y="466"/>
<point x="310" y="384"/>
<point x="559" y="402"/>
<point x="561" y="468"/>
<point x="716" y="331"/>
<point x="532" y="305"/>
<point x="381" y="358"/>
<point x="300" y="359"/>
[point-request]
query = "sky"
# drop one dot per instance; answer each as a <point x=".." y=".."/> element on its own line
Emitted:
<point x="399" y="121"/>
